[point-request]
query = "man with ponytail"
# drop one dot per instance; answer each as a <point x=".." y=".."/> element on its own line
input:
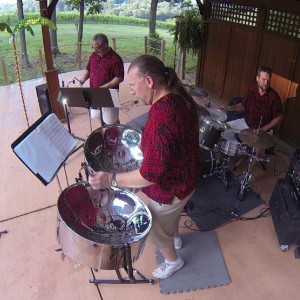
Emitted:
<point x="170" y="143"/>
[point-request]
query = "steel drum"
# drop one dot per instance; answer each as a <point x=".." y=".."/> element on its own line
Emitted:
<point x="114" y="149"/>
<point x="94" y="225"/>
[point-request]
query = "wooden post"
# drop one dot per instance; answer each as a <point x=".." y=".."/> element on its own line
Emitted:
<point x="163" y="50"/>
<point x="146" y="44"/>
<point x="79" y="48"/>
<point x="4" y="71"/>
<point x="51" y="73"/>
<point x="41" y="62"/>
<point x="182" y="64"/>
<point x="114" y="44"/>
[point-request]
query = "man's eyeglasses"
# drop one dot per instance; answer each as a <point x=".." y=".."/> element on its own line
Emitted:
<point x="98" y="47"/>
<point x="132" y="85"/>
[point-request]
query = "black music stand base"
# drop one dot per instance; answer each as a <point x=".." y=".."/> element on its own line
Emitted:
<point x="129" y="270"/>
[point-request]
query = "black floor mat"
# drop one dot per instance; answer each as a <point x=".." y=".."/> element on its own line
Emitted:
<point x="213" y="205"/>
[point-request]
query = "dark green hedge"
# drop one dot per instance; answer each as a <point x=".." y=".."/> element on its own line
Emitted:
<point x="12" y="19"/>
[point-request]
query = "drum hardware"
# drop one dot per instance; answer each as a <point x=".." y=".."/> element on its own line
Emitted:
<point x="210" y="166"/>
<point x="248" y="180"/>
<point x="126" y="252"/>
<point x="208" y="104"/>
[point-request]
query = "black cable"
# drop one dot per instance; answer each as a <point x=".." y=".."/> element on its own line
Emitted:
<point x="262" y="214"/>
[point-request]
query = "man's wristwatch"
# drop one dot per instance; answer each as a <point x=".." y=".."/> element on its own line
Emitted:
<point x="114" y="182"/>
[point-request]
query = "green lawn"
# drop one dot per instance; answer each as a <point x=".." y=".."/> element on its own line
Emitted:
<point x="129" y="43"/>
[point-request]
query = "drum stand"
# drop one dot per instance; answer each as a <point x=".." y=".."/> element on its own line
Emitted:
<point x="129" y="270"/>
<point x="247" y="181"/>
<point x="220" y="170"/>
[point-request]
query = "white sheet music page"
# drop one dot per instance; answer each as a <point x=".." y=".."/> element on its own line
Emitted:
<point x="115" y="97"/>
<point x="45" y="148"/>
<point x="57" y="136"/>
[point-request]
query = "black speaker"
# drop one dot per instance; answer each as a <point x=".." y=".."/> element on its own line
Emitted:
<point x="43" y="98"/>
<point x="285" y="211"/>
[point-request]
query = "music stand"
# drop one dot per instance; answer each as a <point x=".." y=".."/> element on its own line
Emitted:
<point x="45" y="147"/>
<point x="89" y="98"/>
<point x="71" y="97"/>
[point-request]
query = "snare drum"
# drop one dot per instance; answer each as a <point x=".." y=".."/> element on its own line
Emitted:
<point x="210" y="132"/>
<point x="228" y="143"/>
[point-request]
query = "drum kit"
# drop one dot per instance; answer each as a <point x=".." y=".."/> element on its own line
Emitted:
<point x="216" y="136"/>
<point x="105" y="229"/>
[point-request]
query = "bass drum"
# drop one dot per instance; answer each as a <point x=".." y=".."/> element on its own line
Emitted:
<point x="94" y="225"/>
<point x="207" y="163"/>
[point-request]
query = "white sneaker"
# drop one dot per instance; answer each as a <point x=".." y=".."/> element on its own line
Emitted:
<point x="178" y="243"/>
<point x="166" y="269"/>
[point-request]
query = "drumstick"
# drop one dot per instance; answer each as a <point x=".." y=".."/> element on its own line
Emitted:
<point x="257" y="130"/>
<point x="78" y="80"/>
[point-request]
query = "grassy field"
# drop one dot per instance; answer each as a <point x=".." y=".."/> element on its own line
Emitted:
<point x="129" y="43"/>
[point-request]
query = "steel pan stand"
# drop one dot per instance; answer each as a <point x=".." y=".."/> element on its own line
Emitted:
<point x="129" y="270"/>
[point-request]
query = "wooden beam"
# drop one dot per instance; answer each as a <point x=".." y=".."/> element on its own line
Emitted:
<point x="51" y="73"/>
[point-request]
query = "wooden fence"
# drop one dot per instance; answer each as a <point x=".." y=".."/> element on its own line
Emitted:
<point x="149" y="44"/>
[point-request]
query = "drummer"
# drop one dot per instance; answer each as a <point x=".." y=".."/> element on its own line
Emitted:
<point x="170" y="144"/>
<point x="262" y="105"/>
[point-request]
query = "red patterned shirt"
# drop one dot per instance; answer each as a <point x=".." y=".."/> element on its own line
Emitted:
<point x="170" y="145"/>
<point x="267" y="107"/>
<point x="105" y="68"/>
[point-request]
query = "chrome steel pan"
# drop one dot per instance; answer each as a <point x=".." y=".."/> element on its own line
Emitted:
<point x="93" y="226"/>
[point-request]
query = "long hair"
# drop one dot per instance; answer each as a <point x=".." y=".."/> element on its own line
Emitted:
<point x="149" y="65"/>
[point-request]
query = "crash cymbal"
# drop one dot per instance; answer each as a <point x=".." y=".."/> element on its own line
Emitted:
<point x="260" y="140"/>
<point x="203" y="111"/>
<point x="198" y="92"/>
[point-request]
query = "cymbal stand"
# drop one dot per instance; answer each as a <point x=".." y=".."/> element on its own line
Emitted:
<point x="129" y="270"/>
<point x="247" y="181"/>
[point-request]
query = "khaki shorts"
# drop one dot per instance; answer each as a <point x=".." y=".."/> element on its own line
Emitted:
<point x="165" y="219"/>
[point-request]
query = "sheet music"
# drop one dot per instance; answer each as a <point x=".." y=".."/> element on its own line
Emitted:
<point x="45" y="148"/>
<point x="58" y="137"/>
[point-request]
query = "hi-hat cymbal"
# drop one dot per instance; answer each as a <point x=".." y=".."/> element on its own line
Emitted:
<point x="260" y="140"/>
<point x="203" y="111"/>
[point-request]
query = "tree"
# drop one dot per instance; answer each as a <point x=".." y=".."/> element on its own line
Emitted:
<point x="23" y="24"/>
<point x="24" y="56"/>
<point x="152" y="17"/>
<point x="153" y="12"/>
<point x="92" y="7"/>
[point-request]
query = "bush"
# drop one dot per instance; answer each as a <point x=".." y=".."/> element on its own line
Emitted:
<point x="70" y="17"/>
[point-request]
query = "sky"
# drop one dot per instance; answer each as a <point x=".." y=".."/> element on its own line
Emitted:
<point x="8" y="1"/>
